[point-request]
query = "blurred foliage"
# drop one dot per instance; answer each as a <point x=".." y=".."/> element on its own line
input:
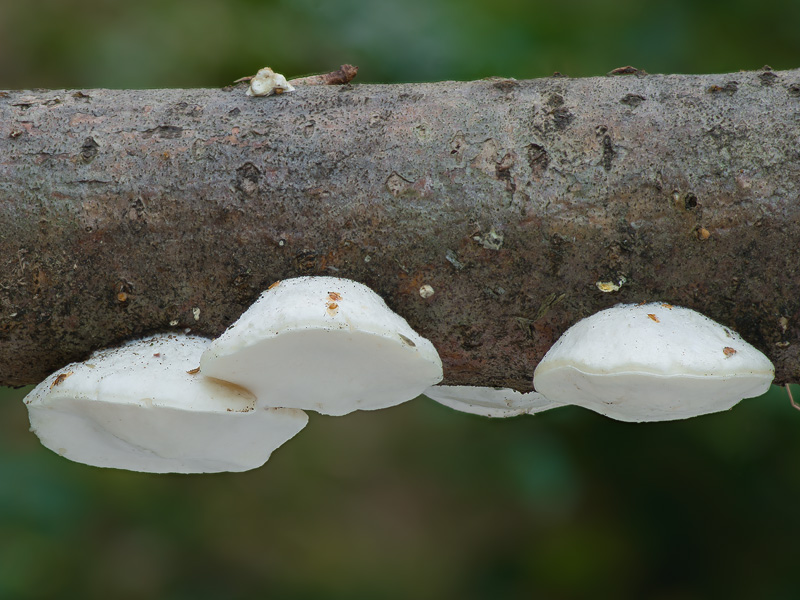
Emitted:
<point x="419" y="501"/>
<point x="416" y="501"/>
<point x="195" y="43"/>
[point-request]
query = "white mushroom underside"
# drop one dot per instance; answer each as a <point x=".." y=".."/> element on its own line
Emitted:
<point x="489" y="401"/>
<point x="333" y="372"/>
<point x="652" y="362"/>
<point x="325" y="344"/>
<point x="137" y="408"/>
<point x="640" y="397"/>
<point x="161" y="440"/>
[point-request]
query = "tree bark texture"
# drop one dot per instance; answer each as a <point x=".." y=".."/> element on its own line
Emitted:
<point x="129" y="212"/>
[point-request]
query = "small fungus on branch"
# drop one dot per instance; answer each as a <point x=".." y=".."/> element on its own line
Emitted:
<point x="267" y="82"/>
<point x="489" y="401"/>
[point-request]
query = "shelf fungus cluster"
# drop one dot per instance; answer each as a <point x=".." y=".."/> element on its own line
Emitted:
<point x="175" y="403"/>
<point x="312" y="343"/>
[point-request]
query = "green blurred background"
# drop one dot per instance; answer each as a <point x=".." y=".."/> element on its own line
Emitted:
<point x="416" y="501"/>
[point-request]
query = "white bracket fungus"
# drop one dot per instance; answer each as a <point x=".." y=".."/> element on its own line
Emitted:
<point x="324" y="344"/>
<point x="489" y="401"/>
<point x="652" y="362"/>
<point x="267" y="82"/>
<point x="143" y="407"/>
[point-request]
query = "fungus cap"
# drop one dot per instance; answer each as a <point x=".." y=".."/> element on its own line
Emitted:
<point x="489" y="401"/>
<point x="136" y="407"/>
<point x="652" y="362"/>
<point x="324" y="344"/>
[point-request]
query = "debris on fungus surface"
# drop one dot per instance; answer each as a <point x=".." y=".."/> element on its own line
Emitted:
<point x="652" y="362"/>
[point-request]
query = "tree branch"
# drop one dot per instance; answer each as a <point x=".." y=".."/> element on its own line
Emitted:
<point x="126" y="212"/>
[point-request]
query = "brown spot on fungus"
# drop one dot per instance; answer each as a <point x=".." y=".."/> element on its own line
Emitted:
<point x="653" y="317"/>
<point x="60" y="378"/>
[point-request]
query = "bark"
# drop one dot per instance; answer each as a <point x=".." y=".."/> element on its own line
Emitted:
<point x="128" y="212"/>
